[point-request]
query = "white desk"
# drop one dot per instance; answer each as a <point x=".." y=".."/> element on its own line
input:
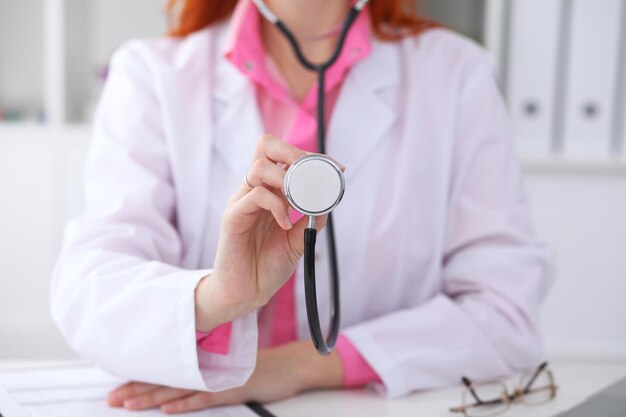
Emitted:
<point x="577" y="380"/>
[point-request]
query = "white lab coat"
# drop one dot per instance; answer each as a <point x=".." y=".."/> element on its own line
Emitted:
<point x="441" y="275"/>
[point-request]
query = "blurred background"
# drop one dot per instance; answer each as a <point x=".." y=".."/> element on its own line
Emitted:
<point x="562" y="69"/>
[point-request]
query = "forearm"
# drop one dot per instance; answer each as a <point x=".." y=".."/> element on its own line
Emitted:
<point x="212" y="309"/>
<point x="315" y="371"/>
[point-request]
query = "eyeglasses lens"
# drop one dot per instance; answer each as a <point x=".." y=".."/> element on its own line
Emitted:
<point x="537" y="389"/>
<point x="485" y="399"/>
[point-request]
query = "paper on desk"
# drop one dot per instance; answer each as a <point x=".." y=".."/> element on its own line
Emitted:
<point x="76" y="391"/>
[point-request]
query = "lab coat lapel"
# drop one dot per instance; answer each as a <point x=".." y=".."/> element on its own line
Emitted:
<point x="359" y="122"/>
<point x="237" y="120"/>
<point x="361" y="118"/>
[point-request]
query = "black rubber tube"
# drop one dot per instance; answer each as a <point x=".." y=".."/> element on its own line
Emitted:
<point x="352" y="14"/>
<point x="323" y="346"/>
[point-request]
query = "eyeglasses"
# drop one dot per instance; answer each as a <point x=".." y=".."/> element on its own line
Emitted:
<point x="485" y="399"/>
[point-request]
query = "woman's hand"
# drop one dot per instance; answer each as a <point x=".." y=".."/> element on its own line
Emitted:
<point x="280" y="373"/>
<point x="258" y="247"/>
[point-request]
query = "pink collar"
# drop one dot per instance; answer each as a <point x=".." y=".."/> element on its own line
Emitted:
<point x="245" y="50"/>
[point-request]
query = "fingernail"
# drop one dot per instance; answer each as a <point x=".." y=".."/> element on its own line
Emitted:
<point x="168" y="408"/>
<point x="288" y="222"/>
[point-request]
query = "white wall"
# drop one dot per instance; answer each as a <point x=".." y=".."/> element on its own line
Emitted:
<point x="582" y="215"/>
<point x="31" y="208"/>
<point x="37" y="164"/>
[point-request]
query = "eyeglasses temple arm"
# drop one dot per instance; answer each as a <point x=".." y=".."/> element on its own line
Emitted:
<point x="531" y="381"/>
<point x="470" y="387"/>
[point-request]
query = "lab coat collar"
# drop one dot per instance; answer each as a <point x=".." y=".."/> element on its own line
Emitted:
<point x="238" y="123"/>
<point x="360" y="119"/>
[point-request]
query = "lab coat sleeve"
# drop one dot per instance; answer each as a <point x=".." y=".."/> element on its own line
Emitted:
<point x="484" y="321"/>
<point x="118" y="292"/>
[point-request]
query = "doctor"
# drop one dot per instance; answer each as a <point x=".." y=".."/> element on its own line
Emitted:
<point x="186" y="279"/>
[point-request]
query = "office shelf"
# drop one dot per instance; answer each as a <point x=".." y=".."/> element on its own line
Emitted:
<point x="56" y="73"/>
<point x="54" y="54"/>
<point x="615" y="165"/>
<point x="94" y="29"/>
<point x="21" y="59"/>
<point x="467" y="17"/>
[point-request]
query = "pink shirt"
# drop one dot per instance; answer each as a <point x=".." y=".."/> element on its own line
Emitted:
<point x="295" y="122"/>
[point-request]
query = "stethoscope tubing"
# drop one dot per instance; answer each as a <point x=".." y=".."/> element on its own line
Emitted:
<point x="324" y="345"/>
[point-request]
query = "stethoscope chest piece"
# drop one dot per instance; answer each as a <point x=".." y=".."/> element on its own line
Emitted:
<point x="314" y="185"/>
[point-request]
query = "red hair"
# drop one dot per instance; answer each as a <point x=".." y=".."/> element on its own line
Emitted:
<point x="391" y="19"/>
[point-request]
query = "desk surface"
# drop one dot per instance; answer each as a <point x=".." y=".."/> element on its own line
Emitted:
<point x="577" y="381"/>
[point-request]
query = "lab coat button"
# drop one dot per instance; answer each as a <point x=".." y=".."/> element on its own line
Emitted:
<point x="531" y="108"/>
<point x="590" y="110"/>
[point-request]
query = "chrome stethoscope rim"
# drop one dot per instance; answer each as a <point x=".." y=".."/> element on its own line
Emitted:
<point x="294" y="167"/>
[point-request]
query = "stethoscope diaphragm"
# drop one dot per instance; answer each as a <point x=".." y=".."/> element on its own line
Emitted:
<point x="314" y="185"/>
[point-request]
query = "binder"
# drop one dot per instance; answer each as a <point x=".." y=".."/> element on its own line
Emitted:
<point x="592" y="74"/>
<point x="619" y="113"/>
<point x="535" y="34"/>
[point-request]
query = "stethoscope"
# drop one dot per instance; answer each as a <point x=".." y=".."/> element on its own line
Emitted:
<point x="314" y="186"/>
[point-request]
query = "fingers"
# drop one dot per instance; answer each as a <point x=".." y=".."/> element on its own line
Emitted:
<point x="268" y="171"/>
<point x="280" y="152"/>
<point x="244" y="211"/>
<point x="193" y="402"/>
<point x="202" y="400"/>
<point x="155" y="398"/>
<point x="265" y="172"/>
<point x="271" y="157"/>
<point x="277" y="150"/>
<point x="120" y="394"/>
